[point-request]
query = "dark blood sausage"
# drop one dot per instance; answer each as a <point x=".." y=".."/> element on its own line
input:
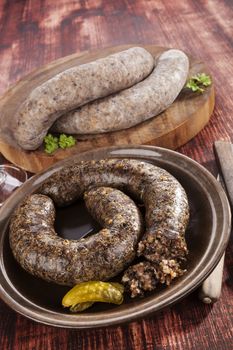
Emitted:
<point x="75" y="87"/>
<point x="166" y="207"/>
<point x="134" y="105"/>
<point x="41" y="252"/>
<point x="145" y="275"/>
<point x="166" y="217"/>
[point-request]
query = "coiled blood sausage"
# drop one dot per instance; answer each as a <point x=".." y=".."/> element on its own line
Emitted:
<point x="162" y="246"/>
<point x="41" y="252"/>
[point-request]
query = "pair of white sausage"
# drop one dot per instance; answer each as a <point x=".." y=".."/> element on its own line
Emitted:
<point x="131" y="106"/>
<point x="95" y="81"/>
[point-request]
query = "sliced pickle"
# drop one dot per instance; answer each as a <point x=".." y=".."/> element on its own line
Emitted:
<point x="84" y="294"/>
<point x="81" y="306"/>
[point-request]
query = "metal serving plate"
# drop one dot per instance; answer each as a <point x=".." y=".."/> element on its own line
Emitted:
<point x="207" y="237"/>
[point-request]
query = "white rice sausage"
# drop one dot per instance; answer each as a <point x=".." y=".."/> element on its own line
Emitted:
<point x="75" y="87"/>
<point x="133" y="105"/>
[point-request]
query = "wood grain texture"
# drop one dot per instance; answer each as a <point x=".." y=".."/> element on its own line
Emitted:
<point x="179" y="123"/>
<point x="36" y="32"/>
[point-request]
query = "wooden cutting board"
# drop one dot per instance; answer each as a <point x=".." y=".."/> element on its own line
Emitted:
<point x="171" y="129"/>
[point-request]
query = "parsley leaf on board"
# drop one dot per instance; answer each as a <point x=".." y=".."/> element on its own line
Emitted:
<point x="198" y="82"/>
<point x="66" y="141"/>
<point x="52" y="143"/>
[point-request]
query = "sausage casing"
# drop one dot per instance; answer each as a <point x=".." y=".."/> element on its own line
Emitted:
<point x="165" y="200"/>
<point x="162" y="244"/>
<point x="75" y="87"/>
<point x="41" y="252"/>
<point x="133" y="105"/>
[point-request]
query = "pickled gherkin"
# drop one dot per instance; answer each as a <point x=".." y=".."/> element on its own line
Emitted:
<point x="84" y="294"/>
<point x="81" y="306"/>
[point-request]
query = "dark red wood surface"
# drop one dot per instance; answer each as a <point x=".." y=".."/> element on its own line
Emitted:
<point x="35" y="32"/>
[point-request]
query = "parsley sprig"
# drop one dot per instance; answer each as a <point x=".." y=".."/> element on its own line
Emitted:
<point x="52" y="143"/>
<point x="66" y="141"/>
<point x="198" y="82"/>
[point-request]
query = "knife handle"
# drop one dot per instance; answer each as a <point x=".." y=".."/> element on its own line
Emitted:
<point x="210" y="289"/>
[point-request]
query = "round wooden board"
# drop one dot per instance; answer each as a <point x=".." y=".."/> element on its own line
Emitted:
<point x="171" y="129"/>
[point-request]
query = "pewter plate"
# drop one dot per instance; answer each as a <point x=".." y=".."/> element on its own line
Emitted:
<point x="207" y="236"/>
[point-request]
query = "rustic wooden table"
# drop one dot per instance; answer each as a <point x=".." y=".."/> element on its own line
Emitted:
<point x="36" y="32"/>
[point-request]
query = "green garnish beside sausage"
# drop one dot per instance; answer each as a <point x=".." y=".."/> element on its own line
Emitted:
<point x="52" y="143"/>
<point x="198" y="82"/>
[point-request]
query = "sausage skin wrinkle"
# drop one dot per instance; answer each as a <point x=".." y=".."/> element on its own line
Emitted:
<point x="162" y="244"/>
<point x="41" y="252"/>
<point x="75" y="87"/>
<point x="133" y="105"/>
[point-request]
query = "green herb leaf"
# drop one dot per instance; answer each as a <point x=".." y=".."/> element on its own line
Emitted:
<point x="203" y="79"/>
<point x="193" y="86"/>
<point x="66" y="141"/>
<point x="198" y="82"/>
<point x="51" y="143"/>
